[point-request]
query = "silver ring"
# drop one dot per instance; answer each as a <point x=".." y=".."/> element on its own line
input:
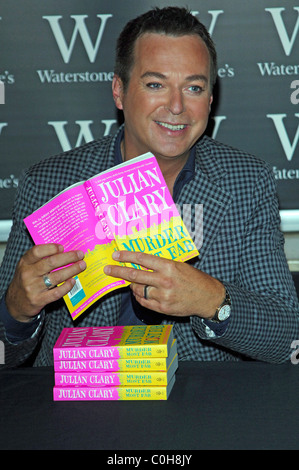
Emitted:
<point x="145" y="292"/>
<point x="47" y="282"/>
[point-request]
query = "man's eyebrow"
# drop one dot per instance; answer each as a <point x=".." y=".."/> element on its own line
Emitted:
<point x="161" y="76"/>
<point x="197" y="77"/>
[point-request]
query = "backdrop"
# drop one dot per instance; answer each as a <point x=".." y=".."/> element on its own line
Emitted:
<point x="56" y="64"/>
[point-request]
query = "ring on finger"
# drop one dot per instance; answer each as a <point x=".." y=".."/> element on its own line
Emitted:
<point x="145" y="292"/>
<point x="47" y="282"/>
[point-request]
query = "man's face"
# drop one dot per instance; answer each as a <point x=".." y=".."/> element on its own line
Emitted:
<point x="167" y="102"/>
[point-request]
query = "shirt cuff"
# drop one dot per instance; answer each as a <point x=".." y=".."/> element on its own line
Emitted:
<point x="214" y="329"/>
<point x="16" y="331"/>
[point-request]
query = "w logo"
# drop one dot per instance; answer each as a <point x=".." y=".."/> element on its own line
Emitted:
<point x="286" y="41"/>
<point x="79" y="29"/>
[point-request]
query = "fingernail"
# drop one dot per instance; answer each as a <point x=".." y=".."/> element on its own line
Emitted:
<point x="107" y="270"/>
<point x="80" y="254"/>
<point x="82" y="265"/>
<point x="115" y="255"/>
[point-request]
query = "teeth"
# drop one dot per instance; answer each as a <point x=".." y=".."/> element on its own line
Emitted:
<point x="171" y="127"/>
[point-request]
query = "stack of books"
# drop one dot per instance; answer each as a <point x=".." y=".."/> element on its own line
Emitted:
<point x="115" y="363"/>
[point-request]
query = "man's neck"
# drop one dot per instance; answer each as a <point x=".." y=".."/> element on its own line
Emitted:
<point x="170" y="167"/>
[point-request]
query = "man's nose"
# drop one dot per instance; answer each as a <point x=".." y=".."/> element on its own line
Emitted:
<point x="176" y="102"/>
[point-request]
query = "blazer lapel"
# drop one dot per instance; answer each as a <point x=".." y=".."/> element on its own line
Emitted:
<point x="205" y="189"/>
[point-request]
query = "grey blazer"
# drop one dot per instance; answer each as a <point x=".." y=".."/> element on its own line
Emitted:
<point x="242" y="246"/>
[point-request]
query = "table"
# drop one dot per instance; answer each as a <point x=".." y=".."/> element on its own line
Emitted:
<point x="213" y="405"/>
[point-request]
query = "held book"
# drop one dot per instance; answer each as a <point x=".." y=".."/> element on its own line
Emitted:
<point x="128" y="378"/>
<point x="113" y="342"/>
<point x="138" y="364"/>
<point x="78" y="393"/>
<point x="127" y="207"/>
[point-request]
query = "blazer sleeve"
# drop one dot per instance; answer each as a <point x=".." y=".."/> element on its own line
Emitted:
<point x="265" y="313"/>
<point x="18" y="243"/>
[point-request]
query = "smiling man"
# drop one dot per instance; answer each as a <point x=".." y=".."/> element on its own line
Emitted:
<point x="166" y="104"/>
<point x="167" y="101"/>
<point x="237" y="299"/>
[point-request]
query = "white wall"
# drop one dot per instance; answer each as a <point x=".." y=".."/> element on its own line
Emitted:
<point x="292" y="250"/>
<point x="2" y="248"/>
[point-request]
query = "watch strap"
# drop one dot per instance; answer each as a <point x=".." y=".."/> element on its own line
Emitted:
<point x="226" y="301"/>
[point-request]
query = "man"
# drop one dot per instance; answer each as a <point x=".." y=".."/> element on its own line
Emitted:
<point x="235" y="301"/>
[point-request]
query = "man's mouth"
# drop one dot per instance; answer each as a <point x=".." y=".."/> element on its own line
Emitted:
<point x="172" y="127"/>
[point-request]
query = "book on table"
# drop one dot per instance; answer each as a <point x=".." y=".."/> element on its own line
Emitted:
<point x="148" y="377"/>
<point x="127" y="207"/>
<point x="113" y="393"/>
<point x="115" y="348"/>
<point x="113" y="342"/>
<point x="131" y="364"/>
<point x="115" y="363"/>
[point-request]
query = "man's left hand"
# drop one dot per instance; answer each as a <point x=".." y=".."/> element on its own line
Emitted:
<point x="173" y="287"/>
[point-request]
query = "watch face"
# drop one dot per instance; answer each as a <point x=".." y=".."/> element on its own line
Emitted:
<point x="224" y="312"/>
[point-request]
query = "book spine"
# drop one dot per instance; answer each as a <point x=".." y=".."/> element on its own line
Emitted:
<point x="109" y="393"/>
<point x="157" y="364"/>
<point x="90" y="379"/>
<point x="98" y="210"/>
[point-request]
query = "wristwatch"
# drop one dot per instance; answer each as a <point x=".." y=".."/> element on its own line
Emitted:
<point x="223" y="311"/>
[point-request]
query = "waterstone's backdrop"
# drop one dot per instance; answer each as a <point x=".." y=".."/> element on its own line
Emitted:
<point x="56" y="66"/>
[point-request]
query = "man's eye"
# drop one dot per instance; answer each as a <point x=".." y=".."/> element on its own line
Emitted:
<point x="196" y="89"/>
<point x="154" y="85"/>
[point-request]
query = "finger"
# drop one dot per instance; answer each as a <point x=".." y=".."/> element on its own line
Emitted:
<point x="146" y="292"/>
<point x="57" y="261"/>
<point x="138" y="276"/>
<point x="150" y="303"/>
<point x="38" y="252"/>
<point x="52" y="295"/>
<point x="145" y="260"/>
<point x="61" y="275"/>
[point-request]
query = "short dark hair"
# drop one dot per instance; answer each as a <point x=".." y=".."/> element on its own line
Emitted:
<point x="172" y="21"/>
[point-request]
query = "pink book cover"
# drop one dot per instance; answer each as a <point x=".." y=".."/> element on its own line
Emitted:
<point x="113" y="342"/>
<point x="139" y="364"/>
<point x="138" y="208"/>
<point x="113" y="393"/>
<point x="104" y="379"/>
<point x="127" y="207"/>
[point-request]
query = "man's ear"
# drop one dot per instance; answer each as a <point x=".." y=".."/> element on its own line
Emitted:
<point x="117" y="91"/>
<point x="210" y="104"/>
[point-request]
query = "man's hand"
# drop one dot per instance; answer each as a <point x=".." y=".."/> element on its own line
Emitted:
<point x="27" y="293"/>
<point x="174" y="288"/>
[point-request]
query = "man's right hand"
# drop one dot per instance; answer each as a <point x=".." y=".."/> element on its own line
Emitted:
<point x="27" y="294"/>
